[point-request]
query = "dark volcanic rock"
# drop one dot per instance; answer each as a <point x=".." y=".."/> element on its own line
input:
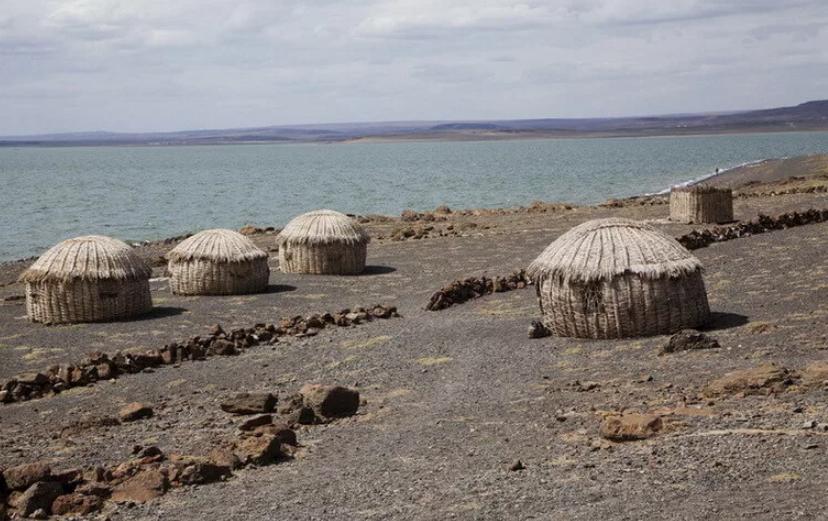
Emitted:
<point x="250" y="403"/>
<point x="538" y="330"/>
<point x="38" y="497"/>
<point x="688" y="339"/>
<point x="330" y="402"/>
<point x="256" y="421"/>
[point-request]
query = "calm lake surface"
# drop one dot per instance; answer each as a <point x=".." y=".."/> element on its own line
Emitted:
<point x="135" y="193"/>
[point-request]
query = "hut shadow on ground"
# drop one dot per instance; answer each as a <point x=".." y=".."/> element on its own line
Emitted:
<point x="159" y="312"/>
<point x="279" y="288"/>
<point x="719" y="320"/>
<point x="377" y="270"/>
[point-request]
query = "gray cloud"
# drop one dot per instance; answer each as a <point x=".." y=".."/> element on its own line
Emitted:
<point x="154" y="64"/>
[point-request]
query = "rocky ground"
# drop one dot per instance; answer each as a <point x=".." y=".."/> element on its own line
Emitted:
<point x="461" y="415"/>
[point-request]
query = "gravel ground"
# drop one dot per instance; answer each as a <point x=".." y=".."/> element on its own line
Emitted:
<point x="454" y="397"/>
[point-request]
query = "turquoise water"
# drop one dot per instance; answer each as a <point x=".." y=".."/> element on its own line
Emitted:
<point x="135" y="193"/>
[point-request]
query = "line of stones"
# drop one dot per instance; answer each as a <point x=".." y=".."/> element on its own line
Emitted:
<point x="701" y="238"/>
<point x="101" y="366"/>
<point x="460" y="291"/>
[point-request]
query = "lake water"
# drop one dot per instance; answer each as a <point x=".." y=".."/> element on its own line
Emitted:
<point x="134" y="193"/>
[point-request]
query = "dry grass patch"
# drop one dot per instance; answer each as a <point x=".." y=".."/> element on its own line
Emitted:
<point x="434" y="360"/>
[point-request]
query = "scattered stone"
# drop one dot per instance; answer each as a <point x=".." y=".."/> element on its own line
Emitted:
<point x="256" y="421"/>
<point x="93" y="488"/>
<point x="145" y="485"/>
<point x="22" y="477"/>
<point x="538" y="330"/>
<point x="701" y="238"/>
<point x="461" y="291"/>
<point x="282" y="432"/>
<point x="330" y="402"/>
<point x="260" y="450"/>
<point x="688" y="339"/>
<point x="250" y="403"/>
<point x="76" y="503"/>
<point x="39" y="496"/>
<point x="764" y="379"/>
<point x="225" y="457"/>
<point x="630" y="427"/>
<point x="135" y="411"/>
<point x="249" y="229"/>
<point x="517" y="465"/>
<point x="815" y="374"/>
<point x="194" y="470"/>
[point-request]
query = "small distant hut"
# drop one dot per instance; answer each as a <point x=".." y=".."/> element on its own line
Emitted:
<point x="87" y="279"/>
<point x="217" y="262"/>
<point x="617" y="278"/>
<point x="699" y="204"/>
<point x="323" y="242"/>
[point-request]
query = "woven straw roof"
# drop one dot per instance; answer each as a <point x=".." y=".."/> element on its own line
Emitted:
<point x="91" y="257"/>
<point x="323" y="227"/>
<point x="604" y="248"/>
<point x="217" y="245"/>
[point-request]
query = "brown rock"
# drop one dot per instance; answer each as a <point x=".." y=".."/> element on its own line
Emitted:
<point x="409" y="215"/>
<point x="330" y="402"/>
<point x="249" y="229"/>
<point x="22" y="477"/>
<point x="764" y="379"/>
<point x="76" y="504"/>
<point x="144" y="486"/>
<point x="250" y="403"/>
<point x="815" y="374"/>
<point x="93" y="488"/>
<point x="193" y="470"/>
<point x="538" y="330"/>
<point x="225" y="457"/>
<point x="282" y="432"/>
<point x="256" y="421"/>
<point x="688" y="339"/>
<point x="260" y="450"/>
<point x="38" y="497"/>
<point x="135" y="411"/>
<point x="632" y="426"/>
<point x="34" y="379"/>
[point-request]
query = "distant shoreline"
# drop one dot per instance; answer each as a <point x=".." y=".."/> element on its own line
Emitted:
<point x="420" y="138"/>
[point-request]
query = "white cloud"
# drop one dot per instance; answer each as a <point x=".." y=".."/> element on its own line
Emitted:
<point x="161" y="64"/>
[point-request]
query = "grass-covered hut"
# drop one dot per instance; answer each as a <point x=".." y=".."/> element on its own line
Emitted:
<point x="698" y="204"/>
<point x="217" y="262"/>
<point x="323" y="242"/>
<point x="616" y="278"/>
<point x="87" y="279"/>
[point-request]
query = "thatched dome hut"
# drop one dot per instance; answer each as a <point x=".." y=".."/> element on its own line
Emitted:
<point x="616" y="278"/>
<point x="323" y="242"/>
<point x="217" y="262"/>
<point x="698" y="204"/>
<point x="87" y="279"/>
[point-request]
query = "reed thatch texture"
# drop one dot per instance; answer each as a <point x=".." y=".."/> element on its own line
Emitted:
<point x="87" y="279"/>
<point x="217" y="262"/>
<point x="323" y="242"/>
<point x="701" y="204"/>
<point x="616" y="278"/>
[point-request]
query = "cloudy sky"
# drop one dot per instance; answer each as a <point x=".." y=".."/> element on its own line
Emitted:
<point x="141" y="65"/>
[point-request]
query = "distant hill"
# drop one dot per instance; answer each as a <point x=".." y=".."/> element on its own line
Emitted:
<point x="812" y="115"/>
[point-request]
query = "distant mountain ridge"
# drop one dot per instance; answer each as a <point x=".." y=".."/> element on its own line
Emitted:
<point x="811" y="115"/>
